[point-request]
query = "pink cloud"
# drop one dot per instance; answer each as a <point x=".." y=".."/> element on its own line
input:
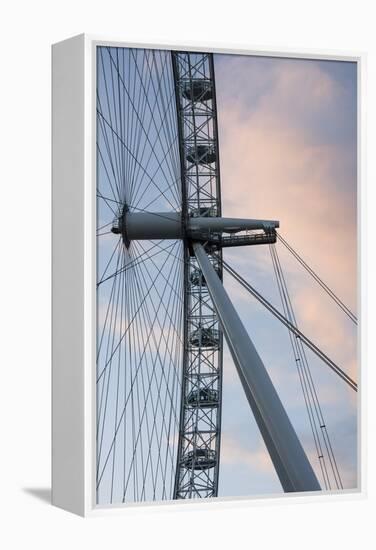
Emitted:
<point x="233" y="452"/>
<point x="272" y="168"/>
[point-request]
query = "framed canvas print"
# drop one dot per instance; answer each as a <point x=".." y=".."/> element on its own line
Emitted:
<point x="205" y="275"/>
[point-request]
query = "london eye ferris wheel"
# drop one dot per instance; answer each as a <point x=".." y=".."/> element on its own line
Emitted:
<point x="162" y="311"/>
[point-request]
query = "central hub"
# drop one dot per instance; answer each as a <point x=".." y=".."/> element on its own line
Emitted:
<point x="119" y="225"/>
<point x="147" y="225"/>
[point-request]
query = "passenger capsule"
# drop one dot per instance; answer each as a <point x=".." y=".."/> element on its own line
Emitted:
<point x="196" y="277"/>
<point x="203" y="211"/>
<point x="199" y="459"/>
<point x="197" y="90"/>
<point x="203" y="398"/>
<point x="205" y="337"/>
<point x="201" y="154"/>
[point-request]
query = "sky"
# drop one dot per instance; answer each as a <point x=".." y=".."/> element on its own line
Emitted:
<point x="288" y="149"/>
<point x="287" y="134"/>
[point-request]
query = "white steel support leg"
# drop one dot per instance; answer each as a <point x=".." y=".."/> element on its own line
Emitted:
<point x="290" y="461"/>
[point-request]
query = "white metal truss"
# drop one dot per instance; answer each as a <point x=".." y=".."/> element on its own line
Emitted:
<point x="200" y="420"/>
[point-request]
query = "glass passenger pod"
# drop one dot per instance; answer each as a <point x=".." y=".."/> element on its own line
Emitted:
<point x="205" y="338"/>
<point x="199" y="459"/>
<point x="201" y="154"/>
<point x="204" y="211"/>
<point x="196" y="277"/>
<point x="198" y="90"/>
<point x="203" y="398"/>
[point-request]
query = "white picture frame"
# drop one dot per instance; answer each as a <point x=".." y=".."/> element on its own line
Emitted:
<point x="74" y="272"/>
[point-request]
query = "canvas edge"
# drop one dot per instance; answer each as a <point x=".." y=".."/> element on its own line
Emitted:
<point x="68" y="354"/>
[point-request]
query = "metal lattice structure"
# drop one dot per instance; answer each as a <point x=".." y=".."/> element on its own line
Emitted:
<point x="200" y="416"/>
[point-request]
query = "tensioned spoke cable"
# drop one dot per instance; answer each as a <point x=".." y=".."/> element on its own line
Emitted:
<point x="177" y="298"/>
<point x="135" y="159"/>
<point x="163" y="426"/>
<point x="120" y="341"/>
<point x="122" y="107"/>
<point x="311" y="389"/>
<point x="127" y="361"/>
<point x="161" y="192"/>
<point x="141" y="108"/>
<point x="109" y="303"/>
<point x="135" y="353"/>
<point x="162" y="407"/>
<point x="323" y="285"/>
<point x="291" y="327"/>
<point x="159" y="94"/>
<point x="132" y="207"/>
<point x="174" y="175"/>
<point x="137" y="261"/>
<point x="142" y="343"/>
<point x="106" y="201"/>
<point x="123" y="278"/>
<point x="98" y="465"/>
<point x="136" y="406"/>
<point x="105" y="152"/>
<point x="141" y="124"/>
<point x="112" y="117"/>
<point x="122" y="123"/>
<point x="118" y="249"/>
<point x="103" y="139"/>
<point x="107" y="379"/>
<point x="122" y="337"/>
<point x="168" y="405"/>
<point x="322" y="423"/>
<point x="177" y="391"/>
<point x="165" y="128"/>
<point x="118" y="123"/>
<point x="129" y="395"/>
<point x="170" y="186"/>
<point x="139" y="335"/>
<point x="104" y="226"/>
<point x="129" y="123"/>
<point x="301" y="369"/>
<point x="144" y="96"/>
<point x="162" y="364"/>
<point x="101" y="196"/>
<point x="176" y="292"/>
<point x="170" y="85"/>
<point x="101" y="158"/>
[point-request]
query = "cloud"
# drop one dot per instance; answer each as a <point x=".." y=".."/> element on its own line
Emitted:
<point x="287" y="133"/>
<point x="276" y="163"/>
<point x="233" y="452"/>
